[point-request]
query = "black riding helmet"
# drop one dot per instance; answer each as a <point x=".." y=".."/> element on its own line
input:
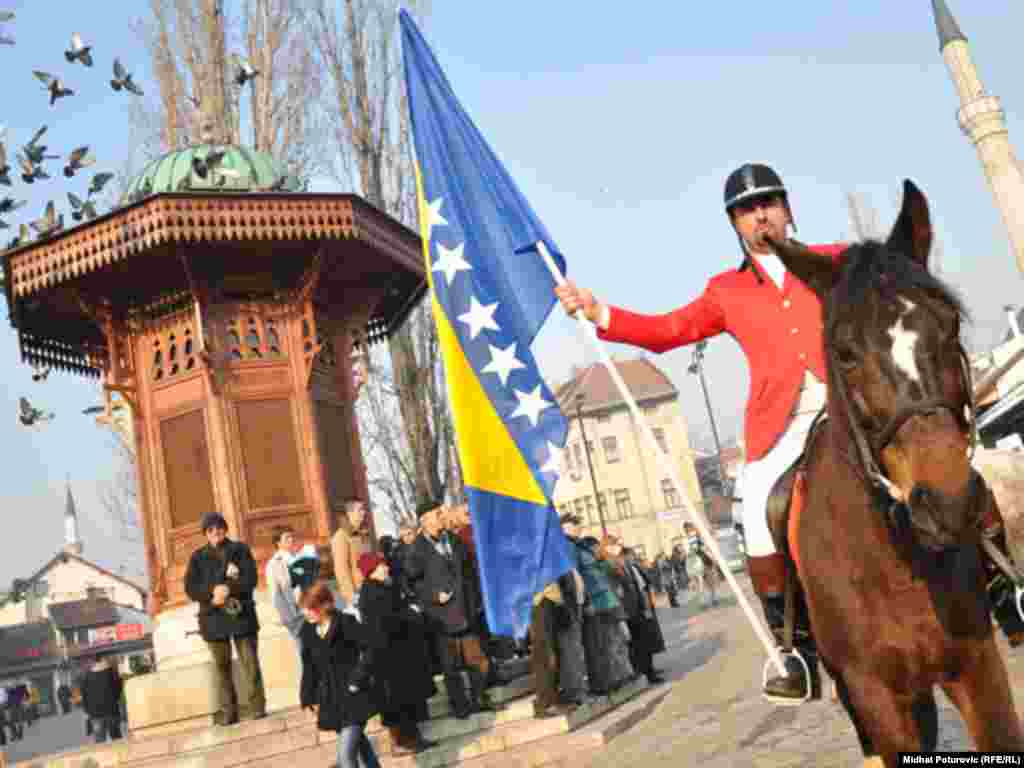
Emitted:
<point x="750" y="181"/>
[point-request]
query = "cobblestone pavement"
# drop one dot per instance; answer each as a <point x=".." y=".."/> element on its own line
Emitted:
<point x="713" y="716"/>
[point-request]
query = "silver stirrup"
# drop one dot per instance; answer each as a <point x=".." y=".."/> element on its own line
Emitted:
<point x="1018" y="600"/>
<point x="769" y="668"/>
<point x="1009" y="570"/>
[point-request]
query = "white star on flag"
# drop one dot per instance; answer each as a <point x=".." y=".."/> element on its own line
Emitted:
<point x="450" y="261"/>
<point x="479" y="317"/>
<point x="503" y="362"/>
<point x="434" y="216"/>
<point x="554" y="462"/>
<point x="530" y="405"/>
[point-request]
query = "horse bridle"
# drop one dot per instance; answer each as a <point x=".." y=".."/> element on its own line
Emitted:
<point x="870" y="467"/>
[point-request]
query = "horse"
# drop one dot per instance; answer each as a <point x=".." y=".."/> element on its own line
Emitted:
<point x="887" y="545"/>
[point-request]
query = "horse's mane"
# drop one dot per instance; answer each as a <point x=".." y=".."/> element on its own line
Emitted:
<point x="873" y="276"/>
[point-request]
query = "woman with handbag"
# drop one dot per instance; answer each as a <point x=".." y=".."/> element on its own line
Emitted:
<point x="336" y="676"/>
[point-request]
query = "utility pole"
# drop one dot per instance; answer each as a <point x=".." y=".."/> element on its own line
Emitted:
<point x="697" y="367"/>
<point x="590" y="464"/>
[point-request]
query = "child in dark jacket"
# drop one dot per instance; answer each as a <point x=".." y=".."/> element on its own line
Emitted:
<point x="336" y="679"/>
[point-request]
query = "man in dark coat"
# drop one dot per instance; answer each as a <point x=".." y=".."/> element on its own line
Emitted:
<point x="101" y="700"/>
<point x="221" y="577"/>
<point x="439" y="571"/>
<point x="64" y="694"/>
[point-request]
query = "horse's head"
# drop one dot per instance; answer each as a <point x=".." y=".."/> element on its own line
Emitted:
<point x="899" y="381"/>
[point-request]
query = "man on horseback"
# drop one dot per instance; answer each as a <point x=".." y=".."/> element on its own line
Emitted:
<point x="776" y="320"/>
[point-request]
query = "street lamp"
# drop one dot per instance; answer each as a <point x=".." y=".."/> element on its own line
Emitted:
<point x="590" y="464"/>
<point x="697" y="367"/>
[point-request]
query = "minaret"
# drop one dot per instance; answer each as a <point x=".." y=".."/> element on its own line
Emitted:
<point x="982" y="119"/>
<point x="72" y="541"/>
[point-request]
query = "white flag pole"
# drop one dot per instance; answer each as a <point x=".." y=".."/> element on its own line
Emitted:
<point x="666" y="466"/>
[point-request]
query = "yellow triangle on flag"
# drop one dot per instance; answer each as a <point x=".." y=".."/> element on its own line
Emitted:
<point x="491" y="460"/>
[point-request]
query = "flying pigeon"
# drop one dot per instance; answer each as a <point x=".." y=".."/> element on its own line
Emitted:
<point x="49" y="222"/>
<point x="204" y="165"/>
<point x="40" y="374"/>
<point x="79" y="51"/>
<point x="4" y="224"/>
<point x="81" y="209"/>
<point x="94" y="409"/>
<point x="123" y="79"/>
<point x="53" y="85"/>
<point x="77" y="160"/>
<point x="30" y="416"/>
<point x="9" y="204"/>
<point x="99" y="181"/>
<point x="244" y="71"/>
<point x="30" y="171"/>
<point x="35" y="151"/>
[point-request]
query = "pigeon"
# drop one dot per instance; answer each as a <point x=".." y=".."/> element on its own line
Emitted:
<point x="99" y="181"/>
<point x="123" y="79"/>
<point x="94" y="409"/>
<point x="9" y="204"/>
<point x="244" y="71"/>
<point x="49" y="223"/>
<point x="79" y="51"/>
<point x="35" y="151"/>
<point x="40" y="374"/>
<point x="81" y="209"/>
<point x="53" y="84"/>
<point x="30" y="416"/>
<point x="4" y="224"/>
<point x="5" y="168"/>
<point x="204" y="165"/>
<point x="31" y="171"/>
<point x="77" y="160"/>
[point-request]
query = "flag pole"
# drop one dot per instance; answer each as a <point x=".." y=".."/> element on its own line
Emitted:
<point x="666" y="466"/>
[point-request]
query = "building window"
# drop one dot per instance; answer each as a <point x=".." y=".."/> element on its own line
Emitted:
<point x="611" y="449"/>
<point x="659" y="438"/>
<point x="578" y="503"/>
<point x="671" y="495"/>
<point x="623" y="506"/>
<point x="591" y="512"/>
<point x="604" y="418"/>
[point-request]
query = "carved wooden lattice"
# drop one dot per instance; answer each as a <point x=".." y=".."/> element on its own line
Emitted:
<point x="174" y="353"/>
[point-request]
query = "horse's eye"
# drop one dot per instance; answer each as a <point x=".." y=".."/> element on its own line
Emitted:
<point x="845" y="356"/>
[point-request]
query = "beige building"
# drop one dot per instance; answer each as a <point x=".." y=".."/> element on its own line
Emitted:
<point x="639" y="502"/>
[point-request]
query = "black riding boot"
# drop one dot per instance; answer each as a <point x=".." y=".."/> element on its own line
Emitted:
<point x="792" y="687"/>
<point x="1001" y="592"/>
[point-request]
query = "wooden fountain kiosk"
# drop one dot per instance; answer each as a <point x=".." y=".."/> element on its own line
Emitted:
<point x="224" y="309"/>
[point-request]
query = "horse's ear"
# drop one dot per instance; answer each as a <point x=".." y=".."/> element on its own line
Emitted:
<point x="912" y="233"/>
<point x="817" y="270"/>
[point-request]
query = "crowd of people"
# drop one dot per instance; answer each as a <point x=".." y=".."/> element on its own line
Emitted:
<point x="411" y="609"/>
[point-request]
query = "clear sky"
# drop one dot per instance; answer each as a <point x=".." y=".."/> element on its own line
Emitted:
<point x="620" y="123"/>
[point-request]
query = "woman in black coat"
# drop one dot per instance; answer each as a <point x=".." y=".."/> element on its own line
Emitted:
<point x="401" y="658"/>
<point x="645" y="638"/>
<point x="336" y="676"/>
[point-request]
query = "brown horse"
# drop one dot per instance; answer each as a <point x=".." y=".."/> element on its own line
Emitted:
<point x="888" y="542"/>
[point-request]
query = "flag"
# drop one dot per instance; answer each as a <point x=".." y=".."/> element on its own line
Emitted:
<point x="490" y="293"/>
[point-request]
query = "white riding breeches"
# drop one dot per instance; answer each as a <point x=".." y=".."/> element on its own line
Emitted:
<point x="759" y="477"/>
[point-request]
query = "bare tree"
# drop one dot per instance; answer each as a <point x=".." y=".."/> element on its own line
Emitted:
<point x="359" y="51"/>
<point x="191" y="43"/>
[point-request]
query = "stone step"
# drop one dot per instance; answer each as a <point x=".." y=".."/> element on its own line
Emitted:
<point x="293" y="737"/>
<point x="521" y="686"/>
<point x="506" y="672"/>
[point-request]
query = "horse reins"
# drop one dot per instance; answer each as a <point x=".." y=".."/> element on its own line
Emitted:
<point x="868" y="467"/>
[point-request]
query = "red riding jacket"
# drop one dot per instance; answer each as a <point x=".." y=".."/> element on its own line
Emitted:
<point x="780" y="333"/>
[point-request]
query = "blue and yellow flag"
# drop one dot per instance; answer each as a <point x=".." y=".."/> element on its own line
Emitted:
<point x="491" y="293"/>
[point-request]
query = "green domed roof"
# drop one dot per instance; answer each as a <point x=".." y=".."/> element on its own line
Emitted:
<point x="240" y="170"/>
